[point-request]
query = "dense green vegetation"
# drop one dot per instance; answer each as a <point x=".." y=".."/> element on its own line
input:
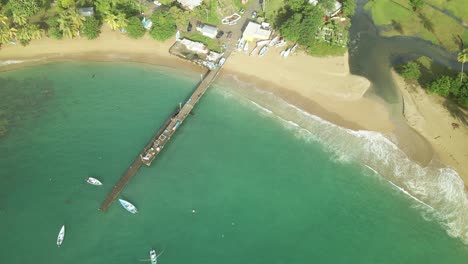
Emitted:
<point x="426" y="19"/>
<point x="164" y="25"/>
<point x="437" y="79"/>
<point x="91" y="28"/>
<point x="311" y="25"/>
<point x="135" y="28"/>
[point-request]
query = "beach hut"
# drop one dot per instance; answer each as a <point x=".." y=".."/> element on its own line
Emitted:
<point x="254" y="32"/>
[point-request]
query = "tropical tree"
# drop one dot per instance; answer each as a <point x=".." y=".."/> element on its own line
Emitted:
<point x="7" y="34"/>
<point x="462" y="57"/>
<point x="20" y="19"/>
<point x="91" y="28"/>
<point x="111" y="20"/>
<point x="121" y="21"/>
<point x="69" y="23"/>
<point x="3" y="20"/>
<point x="135" y="28"/>
<point x="164" y="25"/>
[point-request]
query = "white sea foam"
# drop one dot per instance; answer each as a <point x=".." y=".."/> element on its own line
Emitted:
<point x="9" y="62"/>
<point x="440" y="190"/>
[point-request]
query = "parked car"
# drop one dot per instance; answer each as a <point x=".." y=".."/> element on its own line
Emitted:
<point x="220" y="34"/>
<point x="221" y="61"/>
<point x="189" y="27"/>
<point x="229" y="34"/>
<point x="254" y="14"/>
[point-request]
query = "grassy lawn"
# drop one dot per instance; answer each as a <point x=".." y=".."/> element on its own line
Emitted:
<point x="271" y="8"/>
<point x="429" y="24"/>
<point x="212" y="44"/>
<point x="457" y="8"/>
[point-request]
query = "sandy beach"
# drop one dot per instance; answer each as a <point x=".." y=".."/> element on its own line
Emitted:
<point x="321" y="86"/>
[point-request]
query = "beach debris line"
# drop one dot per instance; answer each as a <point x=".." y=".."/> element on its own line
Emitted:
<point x="61" y="236"/>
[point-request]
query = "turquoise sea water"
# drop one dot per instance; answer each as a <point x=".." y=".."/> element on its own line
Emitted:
<point x="237" y="184"/>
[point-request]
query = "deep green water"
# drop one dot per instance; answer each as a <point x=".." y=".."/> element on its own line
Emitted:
<point x="262" y="192"/>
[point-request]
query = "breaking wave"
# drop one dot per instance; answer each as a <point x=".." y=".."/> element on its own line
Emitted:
<point x="439" y="190"/>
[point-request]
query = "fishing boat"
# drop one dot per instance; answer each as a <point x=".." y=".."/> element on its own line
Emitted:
<point x="263" y="50"/>
<point x="282" y="53"/>
<point x="286" y="53"/>
<point x="153" y="256"/>
<point x="246" y="47"/>
<point x="128" y="206"/>
<point x="273" y="41"/>
<point x="263" y="42"/>
<point x="93" y="181"/>
<point x="280" y="43"/>
<point x="293" y="49"/>
<point x="61" y="236"/>
<point x="254" y="51"/>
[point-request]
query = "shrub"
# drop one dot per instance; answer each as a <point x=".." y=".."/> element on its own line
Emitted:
<point x="135" y="28"/>
<point x="410" y="71"/>
<point x="164" y="25"/>
<point x="91" y="28"/>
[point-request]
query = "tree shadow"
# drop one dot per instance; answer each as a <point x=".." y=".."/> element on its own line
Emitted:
<point x="427" y="23"/>
<point x="457" y="39"/>
<point x="397" y="26"/>
<point x="456" y="111"/>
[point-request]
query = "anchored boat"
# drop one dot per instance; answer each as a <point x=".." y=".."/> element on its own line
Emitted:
<point x="61" y="236"/>
<point x="128" y="206"/>
<point x="93" y="181"/>
<point x="231" y="20"/>
<point x="153" y="256"/>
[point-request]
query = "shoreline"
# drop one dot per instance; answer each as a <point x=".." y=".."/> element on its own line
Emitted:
<point x="320" y="86"/>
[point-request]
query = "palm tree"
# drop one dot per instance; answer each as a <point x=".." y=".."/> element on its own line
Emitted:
<point x="7" y="34"/>
<point x="3" y="20"/>
<point x="121" y="20"/>
<point x="20" y="19"/>
<point x="36" y="32"/>
<point x="462" y="57"/>
<point x="111" y="19"/>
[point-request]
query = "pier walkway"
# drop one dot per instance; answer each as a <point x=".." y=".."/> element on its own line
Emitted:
<point x="157" y="143"/>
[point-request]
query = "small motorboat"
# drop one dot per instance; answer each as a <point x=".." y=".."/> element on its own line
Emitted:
<point x="128" y="206"/>
<point x="286" y="53"/>
<point x="61" y="236"/>
<point x="93" y="181"/>
<point x="153" y="256"/>
<point x="246" y="48"/>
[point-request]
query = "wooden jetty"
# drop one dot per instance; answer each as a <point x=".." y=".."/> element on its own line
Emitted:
<point x="157" y="143"/>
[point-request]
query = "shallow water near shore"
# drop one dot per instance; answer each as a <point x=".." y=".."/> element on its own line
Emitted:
<point x="241" y="182"/>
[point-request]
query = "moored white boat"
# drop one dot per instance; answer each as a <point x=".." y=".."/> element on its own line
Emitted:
<point x="274" y="40"/>
<point x="293" y="49"/>
<point x="93" y="181"/>
<point x="128" y="206"/>
<point x="254" y="51"/>
<point x="240" y="44"/>
<point x="153" y="256"/>
<point x="263" y="42"/>
<point x="280" y="43"/>
<point x="286" y="53"/>
<point x="246" y="47"/>
<point x="263" y="50"/>
<point x="61" y="236"/>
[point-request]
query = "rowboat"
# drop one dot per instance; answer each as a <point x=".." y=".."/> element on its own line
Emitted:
<point x="246" y="47"/>
<point x="273" y="41"/>
<point x="263" y="42"/>
<point x="153" y="256"/>
<point x="93" y="181"/>
<point x="61" y="236"/>
<point x="254" y="51"/>
<point x="286" y="53"/>
<point x="293" y="49"/>
<point x="128" y="206"/>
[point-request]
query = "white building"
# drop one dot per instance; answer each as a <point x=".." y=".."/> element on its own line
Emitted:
<point x="255" y="31"/>
<point x="190" y="4"/>
<point x="208" y="31"/>
<point x="194" y="46"/>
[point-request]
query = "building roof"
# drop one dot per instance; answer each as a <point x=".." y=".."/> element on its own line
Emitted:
<point x="209" y="30"/>
<point x="86" y="11"/>
<point x="191" y="4"/>
<point x="256" y="31"/>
